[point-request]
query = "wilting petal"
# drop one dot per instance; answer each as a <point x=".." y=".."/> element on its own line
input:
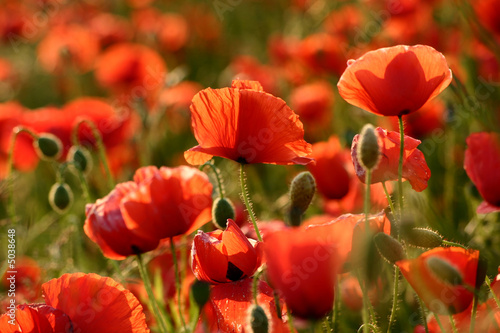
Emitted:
<point x="396" y="80"/>
<point x="35" y="318"/>
<point x="96" y="304"/>
<point x="439" y="296"/>
<point x="482" y="162"/>
<point x="415" y="169"/>
<point x="247" y="126"/>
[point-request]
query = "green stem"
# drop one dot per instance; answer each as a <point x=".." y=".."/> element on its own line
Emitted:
<point x="488" y="283"/>
<point x="439" y="322"/>
<point x="368" y="180"/>
<point x="423" y="314"/>
<point x="255" y="283"/>
<point x="454" y="244"/>
<point x="152" y="300"/>
<point x="246" y="198"/>
<point x="400" y="167"/>
<point x="473" y="314"/>
<point x="362" y="283"/>
<point x="290" y="320"/>
<point x="389" y="199"/>
<point x="85" y="186"/>
<point x="277" y="304"/>
<point x="217" y="177"/>
<point x="394" y="299"/>
<point x="452" y="322"/>
<point x="100" y="148"/>
<point x="336" y="307"/>
<point x="177" y="282"/>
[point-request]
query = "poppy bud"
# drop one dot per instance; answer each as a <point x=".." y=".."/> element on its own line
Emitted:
<point x="48" y="146"/>
<point x="301" y="194"/>
<point x="60" y="197"/>
<point x="421" y="237"/>
<point x="222" y="209"/>
<point x="389" y="248"/>
<point x="257" y="319"/>
<point x="444" y="271"/>
<point x="200" y="291"/>
<point x="368" y="148"/>
<point x="80" y="157"/>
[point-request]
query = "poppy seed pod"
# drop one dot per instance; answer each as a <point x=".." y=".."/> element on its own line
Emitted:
<point x="222" y="210"/>
<point x="444" y="271"/>
<point x="302" y="192"/>
<point x="80" y="157"/>
<point x="421" y="237"/>
<point x="368" y="148"/>
<point x="48" y="146"/>
<point x="389" y="248"/>
<point x="60" y="197"/>
<point x="257" y="319"/>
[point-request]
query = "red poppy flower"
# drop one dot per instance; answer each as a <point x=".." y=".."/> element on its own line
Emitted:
<point x="245" y="124"/>
<point x="488" y="15"/>
<point x="323" y="53"/>
<point x="225" y="256"/>
<point x="331" y="159"/>
<point x="482" y="162"/>
<point x="106" y="227"/>
<point x="95" y="304"/>
<point x="35" y="318"/>
<point x="415" y="169"/>
<point x="173" y="33"/>
<point x="395" y="81"/>
<point x="249" y="68"/>
<point x="28" y="280"/>
<point x="229" y="304"/>
<point x="303" y="265"/>
<point x="68" y="44"/>
<point x="182" y="196"/>
<point x="441" y="297"/>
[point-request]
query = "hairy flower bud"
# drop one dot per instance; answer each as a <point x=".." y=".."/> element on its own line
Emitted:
<point x="302" y="192"/>
<point x="80" y="158"/>
<point x="368" y="148"/>
<point x="424" y="238"/>
<point x="257" y="319"/>
<point x="48" y="146"/>
<point x="222" y="209"/>
<point x="444" y="271"/>
<point x="60" y="197"/>
<point x="389" y="248"/>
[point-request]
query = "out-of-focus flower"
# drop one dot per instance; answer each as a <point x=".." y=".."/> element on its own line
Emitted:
<point x="331" y="170"/>
<point x="482" y="162"/>
<point x="438" y="295"/>
<point x="245" y="124"/>
<point x="28" y="280"/>
<point x="229" y="303"/>
<point x="395" y="81"/>
<point x="71" y="45"/>
<point x="110" y="29"/>
<point x="344" y="21"/>
<point x="225" y="256"/>
<point x="80" y="303"/>
<point x="322" y="53"/>
<point x="488" y="15"/>
<point x="415" y="169"/>
<point x="173" y="33"/>
<point x="15" y="21"/>
<point x="249" y="68"/>
<point x="175" y="100"/>
<point x="132" y="72"/>
<point x="313" y="102"/>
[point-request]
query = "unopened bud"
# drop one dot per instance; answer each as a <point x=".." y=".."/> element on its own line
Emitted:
<point x="80" y="158"/>
<point x="389" y="248"/>
<point x="424" y="238"/>
<point x="368" y="148"/>
<point x="302" y="192"/>
<point x="257" y="319"/>
<point x="60" y="197"/>
<point x="444" y="271"/>
<point x="201" y="292"/>
<point x="48" y="146"/>
<point x="222" y="209"/>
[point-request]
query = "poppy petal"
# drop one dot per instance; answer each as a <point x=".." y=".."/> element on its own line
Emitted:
<point x="36" y="318"/>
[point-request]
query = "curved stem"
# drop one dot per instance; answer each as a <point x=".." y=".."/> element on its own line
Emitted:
<point x="400" y="166"/>
<point x="149" y="290"/>
<point x="217" y="177"/>
<point x="177" y="282"/>
<point x="394" y="299"/>
<point x="100" y="148"/>
<point x="389" y="199"/>
<point x="248" y="205"/>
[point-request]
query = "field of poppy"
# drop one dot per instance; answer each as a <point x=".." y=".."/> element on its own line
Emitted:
<point x="249" y="166"/>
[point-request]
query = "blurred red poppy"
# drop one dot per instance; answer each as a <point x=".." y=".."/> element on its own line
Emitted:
<point x="439" y="296"/>
<point x="229" y="304"/>
<point x="482" y="162"/>
<point x="249" y="68"/>
<point x="28" y="280"/>
<point x="488" y="15"/>
<point x="95" y="304"/>
<point x="331" y="169"/>
<point x="225" y="256"/>
<point x="395" y="81"/>
<point x="245" y="124"/>
<point x="303" y="265"/>
<point x="35" y="318"/>
<point x="323" y="54"/>
<point x="415" y="169"/>
<point x="105" y="222"/>
<point x="182" y="196"/>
